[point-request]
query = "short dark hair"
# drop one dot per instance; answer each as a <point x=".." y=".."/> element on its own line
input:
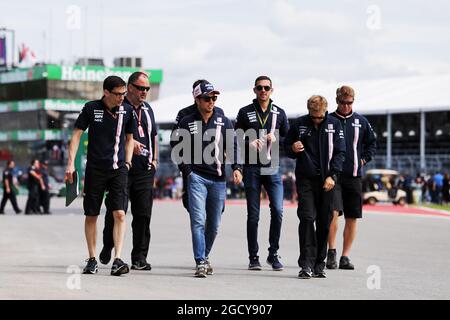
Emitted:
<point x="112" y="82"/>
<point x="9" y="162"/>
<point x="135" y="75"/>
<point x="196" y="83"/>
<point x="263" y="78"/>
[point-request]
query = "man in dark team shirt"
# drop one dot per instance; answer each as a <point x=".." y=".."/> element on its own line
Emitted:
<point x="140" y="177"/>
<point x="35" y="184"/>
<point x="181" y="114"/>
<point x="206" y="137"/>
<point x="9" y="188"/>
<point x="109" y="153"/>
<point x="264" y="124"/>
<point x="317" y="143"/>
<point x="361" y="146"/>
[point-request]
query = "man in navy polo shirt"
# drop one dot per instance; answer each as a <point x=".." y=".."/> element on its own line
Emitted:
<point x="361" y="146"/>
<point x="263" y="124"/>
<point x="189" y="110"/>
<point x="140" y="177"/>
<point x="206" y="137"/>
<point x="109" y="155"/>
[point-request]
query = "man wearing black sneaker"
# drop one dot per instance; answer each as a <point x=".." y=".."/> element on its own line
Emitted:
<point x="109" y="155"/>
<point x="262" y="124"/>
<point x="317" y="143"/>
<point x="361" y="146"/>
<point x="140" y="177"/>
<point x="9" y="192"/>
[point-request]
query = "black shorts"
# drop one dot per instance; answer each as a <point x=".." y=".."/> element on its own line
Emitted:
<point x="96" y="182"/>
<point x="348" y="197"/>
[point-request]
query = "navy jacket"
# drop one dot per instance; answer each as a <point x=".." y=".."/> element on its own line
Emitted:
<point x="360" y="142"/>
<point x="215" y="128"/>
<point x="331" y="146"/>
<point x="251" y="117"/>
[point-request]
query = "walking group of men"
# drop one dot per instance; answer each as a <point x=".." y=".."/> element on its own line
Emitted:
<point x="38" y="185"/>
<point x="330" y="150"/>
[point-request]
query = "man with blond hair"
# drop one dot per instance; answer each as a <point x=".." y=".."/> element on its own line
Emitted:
<point x="360" y="148"/>
<point x="316" y="141"/>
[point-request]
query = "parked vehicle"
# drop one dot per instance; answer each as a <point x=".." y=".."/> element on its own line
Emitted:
<point x="379" y="185"/>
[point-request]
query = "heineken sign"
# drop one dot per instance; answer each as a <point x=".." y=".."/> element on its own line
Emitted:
<point x="74" y="73"/>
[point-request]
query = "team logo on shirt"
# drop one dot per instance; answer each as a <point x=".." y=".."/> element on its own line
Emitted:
<point x="219" y="121"/>
<point x="330" y="128"/>
<point x="275" y="110"/>
<point x="98" y="115"/>
<point x="251" y="116"/>
<point x="193" y="127"/>
<point x="356" y="123"/>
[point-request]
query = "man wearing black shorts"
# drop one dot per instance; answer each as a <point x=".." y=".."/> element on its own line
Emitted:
<point x="109" y="155"/>
<point x="141" y="175"/>
<point x="360" y="148"/>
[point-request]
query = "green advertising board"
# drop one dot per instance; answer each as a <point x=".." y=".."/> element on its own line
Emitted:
<point x="75" y="73"/>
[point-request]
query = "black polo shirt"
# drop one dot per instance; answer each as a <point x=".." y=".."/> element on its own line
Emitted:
<point x="252" y="117"/>
<point x="106" y="135"/>
<point x="145" y="118"/>
<point x="7" y="175"/>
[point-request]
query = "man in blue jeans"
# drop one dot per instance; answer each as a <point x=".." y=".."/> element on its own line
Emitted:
<point x="262" y="123"/>
<point x="206" y="136"/>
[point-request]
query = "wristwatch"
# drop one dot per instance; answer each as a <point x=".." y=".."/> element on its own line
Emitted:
<point x="334" y="177"/>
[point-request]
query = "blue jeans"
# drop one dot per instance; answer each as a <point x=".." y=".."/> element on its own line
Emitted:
<point x="206" y="202"/>
<point x="253" y="180"/>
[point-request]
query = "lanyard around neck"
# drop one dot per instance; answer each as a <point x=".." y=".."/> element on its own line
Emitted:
<point x="263" y="122"/>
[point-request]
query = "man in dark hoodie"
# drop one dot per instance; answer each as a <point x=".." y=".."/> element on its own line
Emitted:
<point x="316" y="141"/>
<point x="360" y="143"/>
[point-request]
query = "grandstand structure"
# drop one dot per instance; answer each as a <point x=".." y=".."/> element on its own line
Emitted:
<point x="410" y="116"/>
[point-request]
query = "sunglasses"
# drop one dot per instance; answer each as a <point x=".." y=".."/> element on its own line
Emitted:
<point x="208" y="99"/>
<point x="349" y="103"/>
<point x="317" y="118"/>
<point x="140" y="88"/>
<point x="266" y="88"/>
<point x="118" y="94"/>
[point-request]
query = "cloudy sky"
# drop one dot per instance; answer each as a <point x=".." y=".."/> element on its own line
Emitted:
<point x="230" y="42"/>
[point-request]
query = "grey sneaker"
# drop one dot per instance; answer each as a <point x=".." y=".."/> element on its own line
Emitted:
<point x="200" y="272"/>
<point x="209" y="268"/>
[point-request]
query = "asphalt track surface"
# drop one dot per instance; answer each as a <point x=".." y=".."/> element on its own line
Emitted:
<point x="399" y="253"/>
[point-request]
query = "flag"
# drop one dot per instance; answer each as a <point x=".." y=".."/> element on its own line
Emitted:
<point x="27" y="58"/>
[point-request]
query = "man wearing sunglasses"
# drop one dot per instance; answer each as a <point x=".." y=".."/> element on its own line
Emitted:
<point x="361" y="146"/>
<point x="264" y="124"/>
<point x="140" y="177"/>
<point x="189" y="110"/>
<point x="205" y="170"/>
<point x="316" y="141"/>
<point x="109" y="155"/>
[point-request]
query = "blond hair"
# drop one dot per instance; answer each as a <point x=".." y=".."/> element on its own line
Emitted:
<point x="317" y="103"/>
<point x="345" y="91"/>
